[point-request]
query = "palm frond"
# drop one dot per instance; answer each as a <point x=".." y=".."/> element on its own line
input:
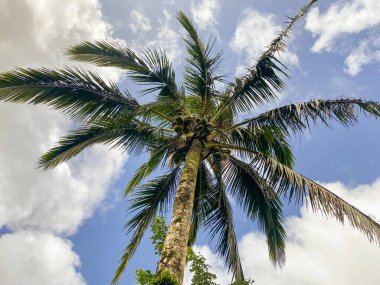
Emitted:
<point x="279" y="44"/>
<point x="269" y="140"/>
<point x="258" y="87"/>
<point x="152" y="68"/>
<point x="84" y="96"/>
<point x="157" y="157"/>
<point x="299" y="117"/>
<point x="219" y="223"/>
<point x="296" y="187"/>
<point x="133" y="137"/>
<point x="260" y="202"/>
<point x="202" y="189"/>
<point x="200" y="71"/>
<point x="261" y="82"/>
<point x="148" y="200"/>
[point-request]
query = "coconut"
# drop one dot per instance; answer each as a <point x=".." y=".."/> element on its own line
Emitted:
<point x="179" y="120"/>
<point x="178" y="129"/>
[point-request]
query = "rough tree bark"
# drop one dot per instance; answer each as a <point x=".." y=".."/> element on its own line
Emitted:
<point x="173" y="255"/>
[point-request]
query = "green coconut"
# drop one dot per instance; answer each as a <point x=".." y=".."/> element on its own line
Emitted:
<point x="178" y="129"/>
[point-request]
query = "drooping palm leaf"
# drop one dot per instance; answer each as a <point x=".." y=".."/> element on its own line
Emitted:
<point x="300" y="116"/>
<point x="219" y="222"/>
<point x="84" y="96"/>
<point x="269" y="140"/>
<point x="148" y="200"/>
<point x="157" y="157"/>
<point x="296" y="187"/>
<point x="260" y="202"/>
<point x="202" y="189"/>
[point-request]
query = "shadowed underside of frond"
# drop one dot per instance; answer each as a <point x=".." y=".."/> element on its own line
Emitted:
<point x="260" y="202"/>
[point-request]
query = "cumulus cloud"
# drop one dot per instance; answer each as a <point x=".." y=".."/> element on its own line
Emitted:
<point x="254" y="32"/>
<point x="367" y="52"/>
<point x="32" y="198"/>
<point x="140" y="22"/>
<point x="37" y="258"/>
<point x="205" y="13"/>
<point x="167" y="38"/>
<point x="320" y="251"/>
<point x="341" y="18"/>
<point x="36" y="33"/>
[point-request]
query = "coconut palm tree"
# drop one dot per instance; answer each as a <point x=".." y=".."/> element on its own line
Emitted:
<point x="195" y="132"/>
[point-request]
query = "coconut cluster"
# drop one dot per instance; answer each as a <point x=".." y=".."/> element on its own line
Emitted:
<point x="220" y="154"/>
<point x="190" y="126"/>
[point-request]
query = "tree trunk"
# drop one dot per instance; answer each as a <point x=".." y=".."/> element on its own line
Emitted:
<point x="173" y="255"/>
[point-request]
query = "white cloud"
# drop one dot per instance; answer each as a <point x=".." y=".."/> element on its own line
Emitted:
<point x="367" y="52"/>
<point x="168" y="39"/>
<point x="205" y="12"/>
<point x="36" y="33"/>
<point x="38" y="259"/>
<point x="140" y="23"/>
<point x="254" y="32"/>
<point x="211" y="259"/>
<point x="32" y="198"/>
<point x="341" y="18"/>
<point x="319" y="251"/>
<point x="169" y="2"/>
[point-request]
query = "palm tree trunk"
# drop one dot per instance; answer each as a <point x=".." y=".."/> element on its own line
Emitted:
<point x="173" y="255"/>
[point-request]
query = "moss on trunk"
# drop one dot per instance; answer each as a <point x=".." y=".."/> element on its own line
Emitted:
<point x="173" y="256"/>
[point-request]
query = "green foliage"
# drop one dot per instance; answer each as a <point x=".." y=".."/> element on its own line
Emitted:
<point x="159" y="230"/>
<point x="200" y="269"/>
<point x="144" y="277"/>
<point x="164" y="278"/>
<point x="198" y="266"/>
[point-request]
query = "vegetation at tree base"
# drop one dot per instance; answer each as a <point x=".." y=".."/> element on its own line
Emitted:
<point x="144" y="277"/>
<point x="200" y="269"/>
<point x="195" y="132"/>
<point x="197" y="263"/>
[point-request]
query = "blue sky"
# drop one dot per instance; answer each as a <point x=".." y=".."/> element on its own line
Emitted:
<point x="66" y="226"/>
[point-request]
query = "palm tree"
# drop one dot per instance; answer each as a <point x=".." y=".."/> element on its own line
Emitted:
<point x="194" y="131"/>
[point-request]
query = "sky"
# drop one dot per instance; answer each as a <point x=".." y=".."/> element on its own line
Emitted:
<point x="65" y="226"/>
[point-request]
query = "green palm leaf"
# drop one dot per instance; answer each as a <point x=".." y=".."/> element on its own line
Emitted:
<point x="202" y="189"/>
<point x="300" y="116"/>
<point x="152" y="68"/>
<point x="219" y="222"/>
<point x="261" y="83"/>
<point x="200" y="72"/>
<point x="148" y="200"/>
<point x="157" y="157"/>
<point x="132" y="137"/>
<point x="84" y="96"/>
<point x="269" y="140"/>
<point x="260" y="202"/>
<point x="296" y="186"/>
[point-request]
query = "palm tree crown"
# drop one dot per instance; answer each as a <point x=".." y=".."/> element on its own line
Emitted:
<point x="194" y="131"/>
